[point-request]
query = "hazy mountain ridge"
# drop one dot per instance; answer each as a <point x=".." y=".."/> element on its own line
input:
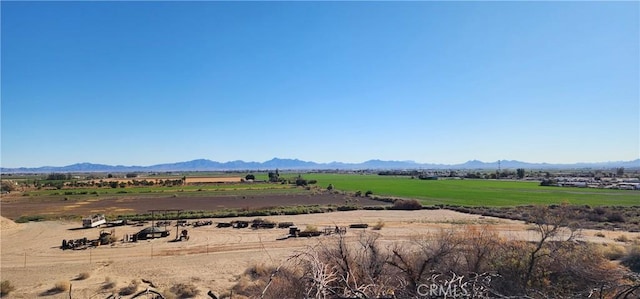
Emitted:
<point x="295" y="164"/>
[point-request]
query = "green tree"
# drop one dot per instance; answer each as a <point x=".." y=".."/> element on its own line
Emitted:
<point x="620" y="171"/>
<point x="274" y="176"/>
<point x="520" y="173"/>
<point x="301" y="182"/>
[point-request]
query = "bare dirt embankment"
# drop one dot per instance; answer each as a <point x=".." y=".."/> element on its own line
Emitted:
<point x="211" y="259"/>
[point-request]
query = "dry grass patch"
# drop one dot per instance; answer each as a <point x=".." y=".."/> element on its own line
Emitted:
<point x="379" y="225"/>
<point x="6" y="287"/>
<point x="59" y="287"/>
<point x="185" y="290"/>
<point x="613" y="252"/>
<point x="83" y="276"/>
<point x="622" y="238"/>
<point x="130" y="289"/>
<point x="108" y="283"/>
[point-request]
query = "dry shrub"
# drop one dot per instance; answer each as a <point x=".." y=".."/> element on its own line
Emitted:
<point x="6" y="287"/>
<point x="83" y="276"/>
<point x="599" y="234"/>
<point x="379" y="225"/>
<point x="168" y="294"/>
<point x="283" y="283"/>
<point x="622" y="238"/>
<point x="406" y="204"/>
<point x="130" y="289"/>
<point x="108" y="283"/>
<point x="363" y="267"/>
<point x="61" y="286"/>
<point x="310" y="228"/>
<point x="613" y="252"/>
<point x="632" y="260"/>
<point x="185" y="290"/>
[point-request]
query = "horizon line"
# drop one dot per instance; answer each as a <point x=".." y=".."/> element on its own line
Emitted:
<point x="340" y="162"/>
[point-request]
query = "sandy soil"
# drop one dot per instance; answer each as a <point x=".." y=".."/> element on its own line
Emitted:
<point x="212" y="258"/>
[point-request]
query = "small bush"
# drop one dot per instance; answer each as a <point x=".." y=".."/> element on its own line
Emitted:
<point x="108" y="283"/>
<point x="25" y="219"/>
<point x="185" y="290"/>
<point x="599" y="234"/>
<point x="378" y="226"/>
<point x="614" y="252"/>
<point x="632" y="260"/>
<point x="83" y="276"/>
<point x="407" y="204"/>
<point x="6" y="287"/>
<point x="61" y="286"/>
<point x="347" y="208"/>
<point x="622" y="238"/>
<point x="616" y="217"/>
<point x="130" y="289"/>
<point x="310" y="228"/>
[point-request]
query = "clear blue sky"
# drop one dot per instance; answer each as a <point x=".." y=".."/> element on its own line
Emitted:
<point x="142" y="83"/>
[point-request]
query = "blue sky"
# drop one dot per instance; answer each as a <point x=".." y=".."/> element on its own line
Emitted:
<point x="142" y="83"/>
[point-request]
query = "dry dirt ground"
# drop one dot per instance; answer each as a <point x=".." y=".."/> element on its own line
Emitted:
<point x="212" y="258"/>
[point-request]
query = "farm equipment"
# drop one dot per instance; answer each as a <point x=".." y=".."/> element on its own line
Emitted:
<point x="202" y="223"/>
<point x="77" y="244"/>
<point x="309" y="234"/>
<point x="117" y="223"/>
<point x="164" y="223"/>
<point x="285" y="224"/>
<point x="107" y="237"/>
<point x="152" y="232"/>
<point x="359" y="225"/>
<point x="294" y="232"/>
<point x="182" y="223"/>
<point x="94" y="221"/>
<point x="261" y="223"/>
<point x="184" y="236"/>
<point x="240" y="224"/>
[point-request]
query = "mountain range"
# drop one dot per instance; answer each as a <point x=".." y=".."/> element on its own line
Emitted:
<point x="295" y="164"/>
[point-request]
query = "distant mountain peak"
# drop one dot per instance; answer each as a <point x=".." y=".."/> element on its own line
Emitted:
<point x="296" y="164"/>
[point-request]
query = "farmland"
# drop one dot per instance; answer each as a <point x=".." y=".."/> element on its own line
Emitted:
<point x="215" y="258"/>
<point x="476" y="192"/>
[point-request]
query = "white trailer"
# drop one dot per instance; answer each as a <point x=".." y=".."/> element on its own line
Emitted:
<point x="93" y="221"/>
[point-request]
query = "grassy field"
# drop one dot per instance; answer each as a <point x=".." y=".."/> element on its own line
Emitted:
<point x="195" y="190"/>
<point x="475" y="192"/>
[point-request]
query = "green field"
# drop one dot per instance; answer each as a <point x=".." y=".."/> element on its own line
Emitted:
<point x="475" y="192"/>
